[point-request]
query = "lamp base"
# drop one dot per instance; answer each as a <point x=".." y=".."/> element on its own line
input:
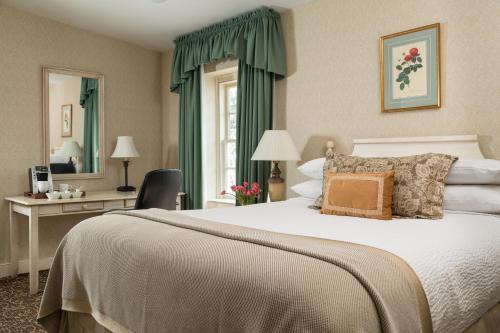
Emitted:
<point x="125" y="189"/>
<point x="277" y="188"/>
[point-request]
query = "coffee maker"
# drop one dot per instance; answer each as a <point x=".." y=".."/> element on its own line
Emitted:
<point x="40" y="179"/>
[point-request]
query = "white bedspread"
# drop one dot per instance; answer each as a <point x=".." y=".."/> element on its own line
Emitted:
<point x="457" y="259"/>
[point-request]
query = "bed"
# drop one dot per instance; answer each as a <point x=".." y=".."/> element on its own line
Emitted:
<point x="280" y="267"/>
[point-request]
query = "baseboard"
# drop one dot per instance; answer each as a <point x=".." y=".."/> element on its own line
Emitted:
<point x="43" y="264"/>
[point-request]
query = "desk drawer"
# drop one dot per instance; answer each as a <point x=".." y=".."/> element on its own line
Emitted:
<point x="129" y="203"/>
<point x="50" y="210"/>
<point x="82" y="206"/>
<point x="114" y="204"/>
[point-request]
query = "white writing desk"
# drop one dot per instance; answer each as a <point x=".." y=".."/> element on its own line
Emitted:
<point x="92" y="202"/>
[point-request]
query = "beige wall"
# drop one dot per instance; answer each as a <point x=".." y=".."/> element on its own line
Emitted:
<point x="332" y="89"/>
<point x="132" y="107"/>
<point x="170" y="114"/>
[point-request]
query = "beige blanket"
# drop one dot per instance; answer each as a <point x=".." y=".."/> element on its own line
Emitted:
<point x="159" y="271"/>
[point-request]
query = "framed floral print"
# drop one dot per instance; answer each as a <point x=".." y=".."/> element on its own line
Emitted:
<point x="66" y="120"/>
<point x="409" y="70"/>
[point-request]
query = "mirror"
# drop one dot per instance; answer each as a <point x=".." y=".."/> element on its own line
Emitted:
<point x="73" y="109"/>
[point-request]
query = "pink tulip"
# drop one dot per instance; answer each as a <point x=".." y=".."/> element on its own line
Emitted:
<point x="234" y="188"/>
<point x="249" y="193"/>
<point x="245" y="184"/>
<point x="223" y="192"/>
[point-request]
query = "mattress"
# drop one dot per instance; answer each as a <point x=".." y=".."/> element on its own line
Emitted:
<point x="457" y="259"/>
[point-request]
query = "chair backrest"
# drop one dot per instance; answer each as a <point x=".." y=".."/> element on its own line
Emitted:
<point x="159" y="189"/>
<point x="62" y="168"/>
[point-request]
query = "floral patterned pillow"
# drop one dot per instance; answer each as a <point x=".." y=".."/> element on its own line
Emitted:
<point x="418" y="183"/>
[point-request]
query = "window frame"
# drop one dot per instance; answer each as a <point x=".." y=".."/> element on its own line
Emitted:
<point x="224" y="83"/>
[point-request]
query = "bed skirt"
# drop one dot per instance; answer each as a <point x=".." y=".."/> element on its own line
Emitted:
<point x="85" y="323"/>
<point x="488" y="323"/>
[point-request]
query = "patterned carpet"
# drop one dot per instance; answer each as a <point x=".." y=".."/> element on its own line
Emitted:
<point x="18" y="309"/>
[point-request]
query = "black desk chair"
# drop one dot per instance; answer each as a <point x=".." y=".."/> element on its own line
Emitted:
<point x="62" y="168"/>
<point x="159" y="189"/>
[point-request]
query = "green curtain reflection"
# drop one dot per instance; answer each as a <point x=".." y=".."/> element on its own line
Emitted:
<point x="89" y="101"/>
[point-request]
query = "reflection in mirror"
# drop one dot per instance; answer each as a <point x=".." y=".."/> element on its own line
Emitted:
<point x="73" y="124"/>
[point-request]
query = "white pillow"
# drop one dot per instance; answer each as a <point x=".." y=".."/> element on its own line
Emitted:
<point x="313" y="168"/>
<point x="462" y="172"/>
<point x="310" y="189"/>
<point x="472" y="198"/>
<point x="474" y="172"/>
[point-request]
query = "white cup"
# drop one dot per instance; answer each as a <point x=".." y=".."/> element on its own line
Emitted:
<point x="43" y="186"/>
<point x="63" y="187"/>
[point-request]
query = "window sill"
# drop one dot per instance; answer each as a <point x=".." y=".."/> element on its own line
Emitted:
<point x="224" y="201"/>
<point x="220" y="203"/>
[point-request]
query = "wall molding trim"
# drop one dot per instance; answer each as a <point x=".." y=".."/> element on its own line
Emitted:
<point x="43" y="264"/>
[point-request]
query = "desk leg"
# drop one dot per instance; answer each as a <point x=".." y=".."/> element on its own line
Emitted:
<point x="33" y="249"/>
<point x="14" y="241"/>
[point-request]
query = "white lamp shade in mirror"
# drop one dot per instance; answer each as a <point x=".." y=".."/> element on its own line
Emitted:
<point x="125" y="148"/>
<point x="276" y="145"/>
<point x="71" y="149"/>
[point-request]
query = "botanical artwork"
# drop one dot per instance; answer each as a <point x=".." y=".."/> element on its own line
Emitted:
<point x="410" y="70"/>
<point x="411" y="62"/>
<point x="408" y="73"/>
<point x="66" y="120"/>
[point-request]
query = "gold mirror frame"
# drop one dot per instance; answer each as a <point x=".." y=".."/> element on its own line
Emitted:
<point x="47" y="70"/>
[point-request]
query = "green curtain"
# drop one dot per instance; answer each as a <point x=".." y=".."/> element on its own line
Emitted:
<point x="254" y="117"/>
<point x="89" y="101"/>
<point x="190" y="140"/>
<point x="254" y="38"/>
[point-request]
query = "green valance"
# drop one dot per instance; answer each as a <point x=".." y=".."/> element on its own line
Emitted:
<point x="87" y="89"/>
<point x="254" y="38"/>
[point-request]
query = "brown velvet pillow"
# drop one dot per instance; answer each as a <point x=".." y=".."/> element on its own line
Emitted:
<point x="359" y="194"/>
<point x="418" y="180"/>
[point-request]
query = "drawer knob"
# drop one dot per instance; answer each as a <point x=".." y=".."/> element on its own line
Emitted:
<point x="84" y="206"/>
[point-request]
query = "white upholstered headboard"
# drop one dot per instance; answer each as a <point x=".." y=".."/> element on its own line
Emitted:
<point x="462" y="146"/>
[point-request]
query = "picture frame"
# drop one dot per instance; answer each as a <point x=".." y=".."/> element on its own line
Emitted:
<point x="66" y="120"/>
<point x="410" y="70"/>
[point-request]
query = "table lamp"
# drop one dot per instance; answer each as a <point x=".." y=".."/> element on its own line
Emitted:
<point x="125" y="148"/>
<point x="72" y="149"/>
<point x="275" y="146"/>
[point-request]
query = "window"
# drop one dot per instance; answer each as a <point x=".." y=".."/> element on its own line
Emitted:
<point x="218" y="112"/>
<point x="226" y="166"/>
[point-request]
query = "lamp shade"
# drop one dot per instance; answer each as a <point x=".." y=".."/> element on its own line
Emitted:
<point x="71" y="149"/>
<point x="276" y="145"/>
<point x="125" y="148"/>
